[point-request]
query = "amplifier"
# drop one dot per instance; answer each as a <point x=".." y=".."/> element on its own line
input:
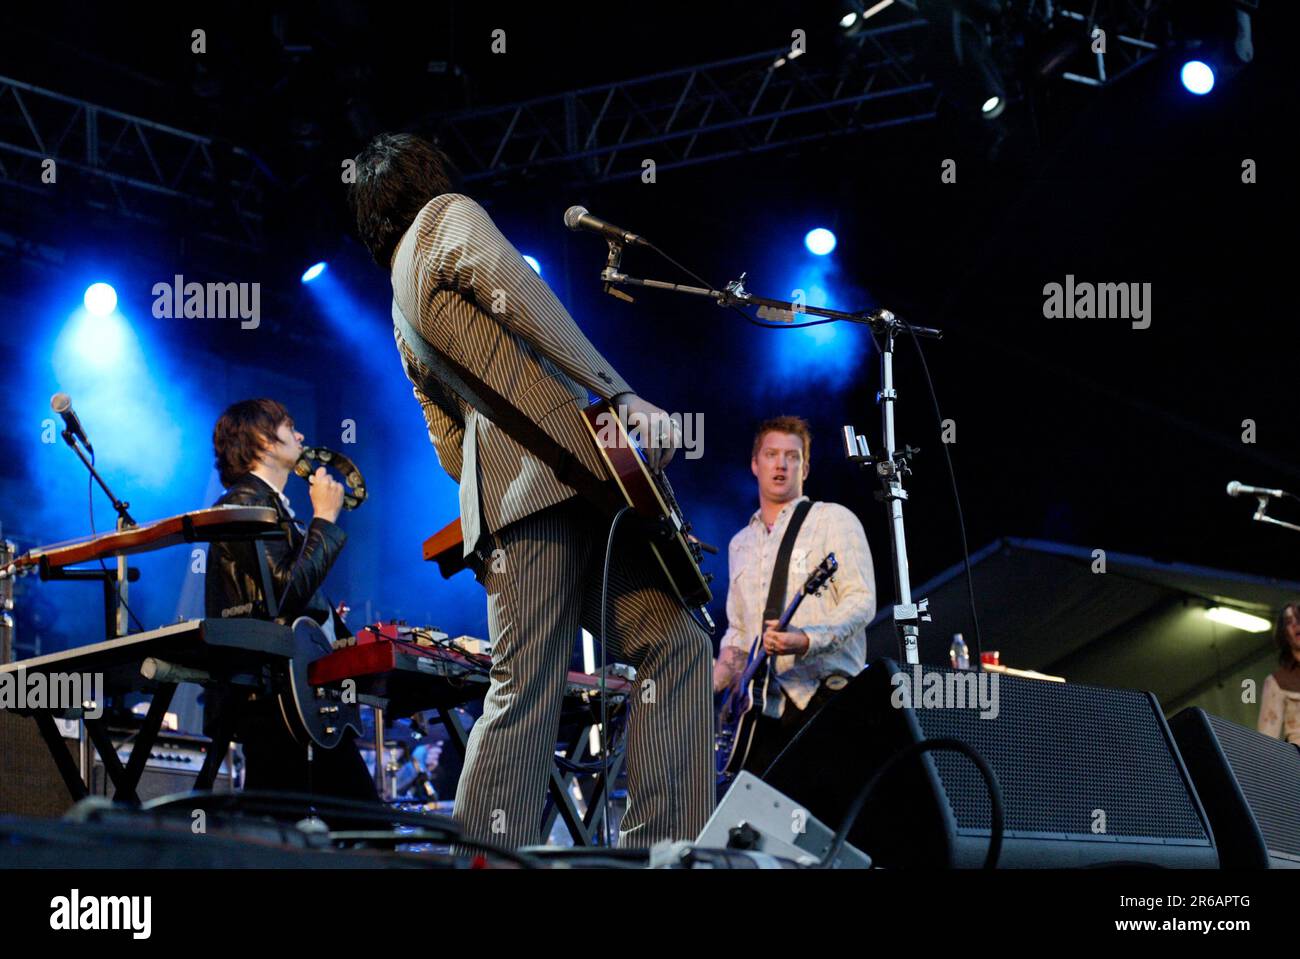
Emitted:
<point x="171" y="768"/>
<point x="30" y="784"/>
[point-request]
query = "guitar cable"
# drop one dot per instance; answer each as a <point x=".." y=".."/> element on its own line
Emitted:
<point x="604" y="699"/>
<point x="996" y="805"/>
<point x="261" y="803"/>
<point x="952" y="480"/>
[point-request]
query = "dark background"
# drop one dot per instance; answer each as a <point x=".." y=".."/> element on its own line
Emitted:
<point x="1085" y="432"/>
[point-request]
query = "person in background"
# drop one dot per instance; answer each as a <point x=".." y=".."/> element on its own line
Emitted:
<point x="816" y="658"/>
<point x="256" y="447"/>
<point x="1279" y="706"/>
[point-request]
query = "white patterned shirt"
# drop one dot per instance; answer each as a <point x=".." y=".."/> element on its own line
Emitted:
<point x="835" y="620"/>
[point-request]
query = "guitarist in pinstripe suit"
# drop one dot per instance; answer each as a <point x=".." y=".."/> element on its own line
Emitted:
<point x="463" y="289"/>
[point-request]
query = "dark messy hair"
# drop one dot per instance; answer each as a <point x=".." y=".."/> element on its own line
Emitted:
<point x="396" y="175"/>
<point x="1285" y="656"/>
<point x="795" y="425"/>
<point x="241" y="433"/>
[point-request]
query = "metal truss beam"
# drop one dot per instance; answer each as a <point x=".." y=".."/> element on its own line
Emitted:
<point x="698" y="114"/>
<point x="127" y="164"/>
<point x="1135" y="32"/>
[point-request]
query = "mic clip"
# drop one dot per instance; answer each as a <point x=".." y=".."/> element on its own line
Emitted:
<point x="735" y="294"/>
<point x="612" y="264"/>
<point x="71" y="438"/>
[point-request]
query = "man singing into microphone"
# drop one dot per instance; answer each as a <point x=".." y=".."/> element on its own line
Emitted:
<point x="812" y="660"/>
<point x="256" y="448"/>
<point x="465" y="295"/>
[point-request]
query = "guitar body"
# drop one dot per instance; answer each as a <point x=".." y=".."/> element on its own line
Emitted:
<point x="739" y="716"/>
<point x="314" y="714"/>
<point x="651" y="498"/>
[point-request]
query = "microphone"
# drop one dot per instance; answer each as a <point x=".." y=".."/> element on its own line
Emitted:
<point x="577" y="218"/>
<point x="1239" y="489"/>
<point x="61" y="403"/>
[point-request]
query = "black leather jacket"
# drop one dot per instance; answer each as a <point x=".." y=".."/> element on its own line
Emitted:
<point x="298" y="564"/>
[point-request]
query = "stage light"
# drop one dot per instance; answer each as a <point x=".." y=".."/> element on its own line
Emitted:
<point x="819" y="241"/>
<point x="1197" y="77"/>
<point x="99" y="339"/>
<point x="961" y="57"/>
<point x="1237" y="619"/>
<point x="100" y="299"/>
<point x="313" y="271"/>
<point x="985" y="76"/>
<point x="853" y="23"/>
<point x="532" y="261"/>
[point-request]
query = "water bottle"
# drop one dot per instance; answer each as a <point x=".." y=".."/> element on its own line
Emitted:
<point x="958" y="652"/>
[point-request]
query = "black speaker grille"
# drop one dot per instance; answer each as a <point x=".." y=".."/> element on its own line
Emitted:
<point x="1267" y="771"/>
<point x="1065" y="754"/>
<point x="30" y="784"/>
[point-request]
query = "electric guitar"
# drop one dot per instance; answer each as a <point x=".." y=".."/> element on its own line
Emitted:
<point x="651" y="498"/>
<point x="743" y="703"/>
<point x="630" y="482"/>
<point x="315" y="714"/>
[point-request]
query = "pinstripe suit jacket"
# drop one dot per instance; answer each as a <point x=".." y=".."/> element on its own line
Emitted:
<point x="472" y="297"/>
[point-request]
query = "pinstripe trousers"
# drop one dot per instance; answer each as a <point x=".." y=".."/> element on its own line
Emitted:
<point x="543" y="584"/>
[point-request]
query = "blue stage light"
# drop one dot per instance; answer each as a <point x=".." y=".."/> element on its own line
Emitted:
<point x="100" y="299"/>
<point x="1197" y="77"/>
<point x="313" y="271"/>
<point x="819" y="241"/>
<point x="532" y="261"/>
<point x="99" y="339"/>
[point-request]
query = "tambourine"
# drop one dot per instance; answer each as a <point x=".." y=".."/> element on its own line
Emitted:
<point x="354" y="484"/>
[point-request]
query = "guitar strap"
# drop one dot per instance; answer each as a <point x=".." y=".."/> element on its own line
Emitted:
<point x="781" y="571"/>
<point x="776" y="598"/>
<point x="478" y="394"/>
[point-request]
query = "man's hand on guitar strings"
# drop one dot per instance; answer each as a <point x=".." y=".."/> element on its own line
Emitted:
<point x="657" y="433"/>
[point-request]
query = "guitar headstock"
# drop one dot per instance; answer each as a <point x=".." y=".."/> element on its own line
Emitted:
<point x="820" y="576"/>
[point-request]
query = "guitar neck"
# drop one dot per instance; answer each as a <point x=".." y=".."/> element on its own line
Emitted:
<point x="761" y="656"/>
<point x="789" y="612"/>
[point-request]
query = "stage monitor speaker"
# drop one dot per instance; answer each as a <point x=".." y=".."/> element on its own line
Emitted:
<point x="1249" y="784"/>
<point x="1089" y="776"/>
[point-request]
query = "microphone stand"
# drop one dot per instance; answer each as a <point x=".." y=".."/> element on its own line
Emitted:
<point x="1261" y="515"/>
<point x="124" y="518"/>
<point x="115" y="583"/>
<point x="891" y="464"/>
